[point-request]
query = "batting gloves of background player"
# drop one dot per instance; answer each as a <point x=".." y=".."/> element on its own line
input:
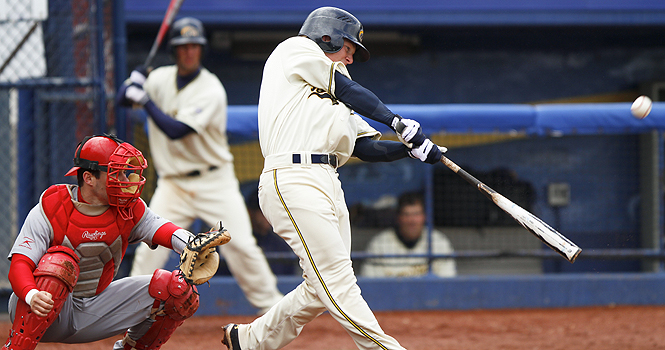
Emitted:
<point x="138" y="75"/>
<point x="136" y="94"/>
<point x="427" y="152"/>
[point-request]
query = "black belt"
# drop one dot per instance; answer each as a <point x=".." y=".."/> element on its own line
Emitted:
<point x="198" y="172"/>
<point x="330" y="159"/>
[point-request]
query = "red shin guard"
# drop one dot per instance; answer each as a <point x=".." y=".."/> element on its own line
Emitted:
<point x="180" y="301"/>
<point x="57" y="274"/>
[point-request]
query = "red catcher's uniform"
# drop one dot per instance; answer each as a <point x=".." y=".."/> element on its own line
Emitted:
<point x="100" y="241"/>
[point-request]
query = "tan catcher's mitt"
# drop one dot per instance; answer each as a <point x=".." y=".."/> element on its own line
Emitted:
<point x="199" y="260"/>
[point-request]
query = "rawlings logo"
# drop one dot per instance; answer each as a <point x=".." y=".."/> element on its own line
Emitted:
<point x="26" y="243"/>
<point x="93" y="236"/>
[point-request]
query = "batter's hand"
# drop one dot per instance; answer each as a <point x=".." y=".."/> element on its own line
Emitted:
<point x="136" y="94"/>
<point x="408" y="131"/>
<point x="138" y="75"/>
<point x="41" y="303"/>
<point x="428" y="152"/>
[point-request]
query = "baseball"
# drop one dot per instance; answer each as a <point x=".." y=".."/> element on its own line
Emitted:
<point x="641" y="107"/>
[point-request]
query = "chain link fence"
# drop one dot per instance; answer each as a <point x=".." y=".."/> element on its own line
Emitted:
<point x="56" y="73"/>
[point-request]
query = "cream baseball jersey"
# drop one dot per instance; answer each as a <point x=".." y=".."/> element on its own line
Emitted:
<point x="201" y="105"/>
<point x="297" y="98"/>
<point x="387" y="243"/>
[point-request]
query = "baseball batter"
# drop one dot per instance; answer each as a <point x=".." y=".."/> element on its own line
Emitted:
<point x="308" y="128"/>
<point x="70" y="247"/>
<point x="187" y="135"/>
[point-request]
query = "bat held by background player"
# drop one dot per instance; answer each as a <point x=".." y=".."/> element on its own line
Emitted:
<point x="171" y="11"/>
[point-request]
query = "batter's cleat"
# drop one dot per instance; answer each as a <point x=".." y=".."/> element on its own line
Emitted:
<point x="231" y="336"/>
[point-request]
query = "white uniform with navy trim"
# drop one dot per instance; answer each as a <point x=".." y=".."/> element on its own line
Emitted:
<point x="212" y="195"/>
<point x="386" y="242"/>
<point x="304" y="202"/>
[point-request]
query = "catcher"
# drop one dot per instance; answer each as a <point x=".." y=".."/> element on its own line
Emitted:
<point x="70" y="247"/>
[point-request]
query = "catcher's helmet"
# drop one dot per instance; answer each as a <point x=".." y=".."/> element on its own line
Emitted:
<point x="187" y="30"/>
<point x="338" y="25"/>
<point x="123" y="163"/>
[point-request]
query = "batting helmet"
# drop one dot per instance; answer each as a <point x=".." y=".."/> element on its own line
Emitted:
<point x="338" y="25"/>
<point x="187" y="30"/>
<point x="123" y="163"/>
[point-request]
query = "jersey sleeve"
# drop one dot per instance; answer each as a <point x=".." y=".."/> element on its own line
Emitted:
<point x="307" y="62"/>
<point x="35" y="236"/>
<point x="153" y="230"/>
<point x="364" y="129"/>
<point x="21" y="275"/>
<point x="442" y="245"/>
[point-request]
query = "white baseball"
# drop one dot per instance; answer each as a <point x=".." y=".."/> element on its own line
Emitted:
<point x="641" y="107"/>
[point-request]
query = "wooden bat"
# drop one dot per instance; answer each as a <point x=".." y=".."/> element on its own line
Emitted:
<point x="171" y="11"/>
<point x="532" y="223"/>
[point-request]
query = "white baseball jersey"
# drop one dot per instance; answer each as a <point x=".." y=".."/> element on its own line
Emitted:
<point x="386" y="242"/>
<point x="297" y="112"/>
<point x="201" y="105"/>
<point x="212" y="195"/>
<point x="304" y="202"/>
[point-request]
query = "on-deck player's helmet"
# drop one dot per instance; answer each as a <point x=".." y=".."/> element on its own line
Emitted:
<point x="338" y="25"/>
<point x="109" y="154"/>
<point x="187" y="30"/>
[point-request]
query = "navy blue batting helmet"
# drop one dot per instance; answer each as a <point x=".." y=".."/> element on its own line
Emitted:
<point x="338" y="25"/>
<point x="187" y="30"/>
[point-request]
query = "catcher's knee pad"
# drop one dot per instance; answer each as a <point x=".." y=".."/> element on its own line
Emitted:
<point x="175" y="301"/>
<point x="57" y="273"/>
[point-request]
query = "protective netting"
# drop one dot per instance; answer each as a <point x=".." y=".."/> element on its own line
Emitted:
<point x="56" y="61"/>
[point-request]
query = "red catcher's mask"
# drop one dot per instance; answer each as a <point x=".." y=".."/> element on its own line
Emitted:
<point x="123" y="163"/>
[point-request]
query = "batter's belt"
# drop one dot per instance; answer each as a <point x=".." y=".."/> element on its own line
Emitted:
<point x="301" y="158"/>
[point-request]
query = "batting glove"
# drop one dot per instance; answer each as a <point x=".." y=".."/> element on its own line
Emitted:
<point x="411" y="133"/>
<point x="427" y="152"/>
<point x="138" y="75"/>
<point x="136" y="94"/>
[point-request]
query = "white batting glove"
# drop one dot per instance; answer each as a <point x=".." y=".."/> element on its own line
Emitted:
<point x="136" y="94"/>
<point x="410" y="128"/>
<point x="139" y="74"/>
<point x="137" y="77"/>
<point x="427" y="152"/>
<point x="408" y="131"/>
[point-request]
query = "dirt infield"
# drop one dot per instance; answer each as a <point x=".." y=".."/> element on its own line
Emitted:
<point x="595" y="328"/>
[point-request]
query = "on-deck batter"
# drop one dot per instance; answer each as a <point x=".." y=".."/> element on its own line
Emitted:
<point x="308" y="128"/>
<point x="187" y="134"/>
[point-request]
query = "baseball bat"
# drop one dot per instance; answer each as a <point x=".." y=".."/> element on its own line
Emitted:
<point x="171" y="11"/>
<point x="18" y="47"/>
<point x="548" y="235"/>
<point x="532" y="223"/>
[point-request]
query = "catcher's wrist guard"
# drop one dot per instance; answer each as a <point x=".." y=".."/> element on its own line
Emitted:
<point x="199" y="260"/>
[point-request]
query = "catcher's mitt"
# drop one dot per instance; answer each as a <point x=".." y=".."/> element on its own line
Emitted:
<point x="199" y="260"/>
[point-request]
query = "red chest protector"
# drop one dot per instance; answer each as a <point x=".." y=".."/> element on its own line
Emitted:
<point x="100" y="241"/>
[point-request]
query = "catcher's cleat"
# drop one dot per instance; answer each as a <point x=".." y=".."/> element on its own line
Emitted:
<point x="231" y="337"/>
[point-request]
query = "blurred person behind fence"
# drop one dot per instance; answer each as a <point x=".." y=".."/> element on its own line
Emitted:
<point x="408" y="236"/>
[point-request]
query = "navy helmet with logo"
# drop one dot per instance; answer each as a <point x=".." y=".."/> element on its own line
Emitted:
<point x="187" y="30"/>
<point x="338" y="25"/>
